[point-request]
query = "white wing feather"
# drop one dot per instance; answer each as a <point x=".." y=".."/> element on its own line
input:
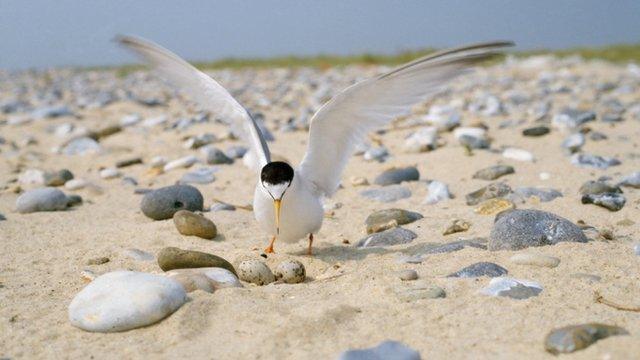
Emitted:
<point x="205" y="91"/>
<point x="343" y="122"/>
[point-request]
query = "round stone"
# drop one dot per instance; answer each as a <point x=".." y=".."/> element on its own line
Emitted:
<point x="171" y="258"/>
<point x="255" y="272"/>
<point x="163" y="203"/>
<point x="124" y="300"/>
<point x="407" y="275"/>
<point x="291" y="272"/>
<point x="192" y="224"/>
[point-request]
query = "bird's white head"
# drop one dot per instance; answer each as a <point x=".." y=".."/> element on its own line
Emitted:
<point x="276" y="178"/>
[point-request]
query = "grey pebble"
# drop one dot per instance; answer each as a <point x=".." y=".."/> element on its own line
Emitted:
<point x="576" y="337"/>
<point x="491" y="191"/>
<point x="162" y="203"/>
<point x="594" y="161"/>
<point x="380" y="220"/>
<point x="387" y="194"/>
<point x="519" y="229"/>
<point x="493" y="172"/>
<point x="379" y="154"/>
<point x="397" y="175"/>
<point x="536" y="131"/>
<point x="419" y="290"/>
<point x="222" y="207"/>
<point x="236" y="151"/>
<point x="57" y="178"/>
<point x="544" y="195"/>
<point x="592" y="187"/>
<point x="390" y="237"/>
<point x="513" y="288"/>
<point x="215" y="156"/>
<point x="609" y="201"/>
<point x="387" y="350"/>
<point x="631" y="180"/>
<point x="408" y="275"/>
<point x="573" y="143"/>
<point x="480" y="269"/>
<point x="43" y="199"/>
<point x="203" y="175"/>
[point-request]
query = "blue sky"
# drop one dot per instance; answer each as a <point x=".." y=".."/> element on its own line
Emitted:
<point x="45" y="33"/>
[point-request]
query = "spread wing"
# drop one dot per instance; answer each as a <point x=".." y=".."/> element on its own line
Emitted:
<point x="205" y="91"/>
<point x="343" y="122"/>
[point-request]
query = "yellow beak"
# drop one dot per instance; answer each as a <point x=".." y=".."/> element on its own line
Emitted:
<point x="276" y="206"/>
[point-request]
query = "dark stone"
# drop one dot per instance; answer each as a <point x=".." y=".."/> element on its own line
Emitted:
<point x="519" y="229"/>
<point x="129" y="162"/>
<point x="397" y="175"/>
<point x="57" y="178"/>
<point x="73" y="200"/>
<point x="162" y="203"/>
<point x="577" y="337"/>
<point x="536" y="131"/>
<point x="171" y="258"/>
<point x="480" y="269"/>
<point x="216" y="156"/>
<point x="598" y="187"/>
<point x="493" y="172"/>
<point x="594" y="161"/>
<point x="98" y="261"/>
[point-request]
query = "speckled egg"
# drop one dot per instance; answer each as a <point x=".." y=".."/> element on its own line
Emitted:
<point x="291" y="272"/>
<point x="256" y="272"/>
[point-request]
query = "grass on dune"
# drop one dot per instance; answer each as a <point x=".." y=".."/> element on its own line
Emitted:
<point x="615" y="53"/>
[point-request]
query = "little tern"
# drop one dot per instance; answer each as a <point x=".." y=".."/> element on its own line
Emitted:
<point x="287" y="202"/>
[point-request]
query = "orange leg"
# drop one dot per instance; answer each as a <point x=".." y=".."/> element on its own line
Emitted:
<point x="309" y="252"/>
<point x="269" y="250"/>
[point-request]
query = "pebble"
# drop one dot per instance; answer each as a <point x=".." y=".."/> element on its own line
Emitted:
<point x="98" y="261"/>
<point x="81" y="146"/>
<point x="75" y="184"/>
<point x="170" y="258"/>
<point x="457" y="226"/>
<point x="409" y="259"/>
<point x="192" y="224"/>
<point x="592" y="187"/>
<point x="236" y="151"/>
<point x="513" y="288"/>
<point x="480" y="269"/>
<point x="162" y="203"/>
<point x="183" y="162"/>
<point x="199" y="141"/>
<point x="536" y="131"/>
<point x="158" y="162"/>
<point x="200" y="176"/>
<point x="73" y="200"/>
<point x="636" y="249"/>
<point x="379" y="154"/>
<point x="632" y="180"/>
<point x="215" y="156"/>
<point x="518" y="154"/>
<point x="395" y="236"/>
<point x="138" y="255"/>
<point x="577" y="337"/>
<point x="472" y="137"/>
<point x="255" y="272"/>
<point x="519" y="229"/>
<point x="418" y="291"/>
<point x="386" y="219"/>
<point x="572" y="118"/>
<point x="542" y="194"/>
<point x="494" y="172"/>
<point x="609" y="201"/>
<point x="57" y="178"/>
<point x="408" y="275"/>
<point x="214" y="278"/>
<point x="129" y="162"/>
<point x="594" y="161"/>
<point x="444" y="118"/>
<point x="359" y="181"/>
<point x="494" y="206"/>
<point x="573" y="143"/>
<point x="124" y="300"/>
<point x="430" y="249"/>
<point x="535" y="260"/>
<point x="42" y="199"/>
<point x="422" y="140"/>
<point x="130" y="120"/>
<point x="110" y="173"/>
<point x="491" y="191"/>
<point x="438" y="191"/>
<point x="222" y="207"/>
<point x="387" y="194"/>
<point x="397" y="176"/>
<point x="31" y="177"/>
<point x="386" y="350"/>
<point x="291" y="272"/>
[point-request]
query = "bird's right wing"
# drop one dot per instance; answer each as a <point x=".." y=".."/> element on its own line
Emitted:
<point x="204" y="90"/>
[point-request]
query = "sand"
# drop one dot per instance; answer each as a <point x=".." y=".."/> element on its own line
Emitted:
<point x="348" y="300"/>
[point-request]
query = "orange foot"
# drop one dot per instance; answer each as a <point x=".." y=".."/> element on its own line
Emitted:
<point x="269" y="249"/>
<point x="309" y="249"/>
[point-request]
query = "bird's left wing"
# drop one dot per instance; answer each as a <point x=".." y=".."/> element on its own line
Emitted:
<point x="205" y="91"/>
<point x="340" y="124"/>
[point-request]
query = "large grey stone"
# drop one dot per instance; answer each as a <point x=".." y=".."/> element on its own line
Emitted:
<point x="43" y="199"/>
<point x="162" y="203"/>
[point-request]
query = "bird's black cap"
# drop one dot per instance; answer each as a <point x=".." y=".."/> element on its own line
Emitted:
<point x="276" y="172"/>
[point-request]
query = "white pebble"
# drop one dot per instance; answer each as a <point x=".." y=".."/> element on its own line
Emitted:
<point x="124" y="300"/>
<point x="183" y="162"/>
<point x="518" y="154"/>
<point x="438" y="191"/>
<point x="158" y="162"/>
<point x="544" y="176"/>
<point x="109" y="173"/>
<point x="535" y="260"/>
<point x="75" y="184"/>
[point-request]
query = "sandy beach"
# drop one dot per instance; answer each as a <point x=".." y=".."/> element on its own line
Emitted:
<point x="350" y="297"/>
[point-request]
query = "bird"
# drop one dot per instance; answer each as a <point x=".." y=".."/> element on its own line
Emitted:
<point x="287" y="202"/>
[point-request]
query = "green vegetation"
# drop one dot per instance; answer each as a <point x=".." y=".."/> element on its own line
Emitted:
<point x="616" y="53"/>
